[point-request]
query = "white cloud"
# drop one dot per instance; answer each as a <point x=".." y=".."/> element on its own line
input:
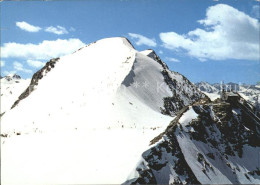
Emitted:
<point x="19" y="67"/>
<point x="42" y="51"/>
<point x="59" y="30"/>
<point x="160" y="52"/>
<point x="142" y="40"/>
<point x="171" y="59"/>
<point x="2" y="63"/>
<point x="228" y="34"/>
<point x="27" y="27"/>
<point x="35" y="63"/>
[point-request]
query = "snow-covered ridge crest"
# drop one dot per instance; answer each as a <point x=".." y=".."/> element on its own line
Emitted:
<point x="51" y="64"/>
<point x="96" y="71"/>
<point x="102" y="55"/>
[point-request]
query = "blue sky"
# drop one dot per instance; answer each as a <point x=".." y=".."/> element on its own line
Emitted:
<point x="203" y="40"/>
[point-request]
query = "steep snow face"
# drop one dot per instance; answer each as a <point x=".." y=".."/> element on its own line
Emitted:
<point x="87" y="112"/>
<point x="146" y="83"/>
<point x="215" y="143"/>
<point x="11" y="87"/>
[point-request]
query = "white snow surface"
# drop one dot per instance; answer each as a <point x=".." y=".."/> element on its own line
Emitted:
<point x="187" y="117"/>
<point x="212" y="96"/>
<point x="101" y="156"/>
<point x="87" y="121"/>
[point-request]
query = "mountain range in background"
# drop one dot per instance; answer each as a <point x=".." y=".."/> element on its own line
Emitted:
<point x="251" y="93"/>
<point x="122" y="116"/>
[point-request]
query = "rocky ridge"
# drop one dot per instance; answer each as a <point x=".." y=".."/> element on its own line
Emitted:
<point x="215" y="142"/>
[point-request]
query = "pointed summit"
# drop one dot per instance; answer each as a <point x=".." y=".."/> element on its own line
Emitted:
<point x="12" y="77"/>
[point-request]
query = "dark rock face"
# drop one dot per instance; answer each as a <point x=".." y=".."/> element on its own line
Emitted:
<point x="164" y="157"/>
<point x="231" y="126"/>
<point x="35" y="79"/>
<point x="221" y="135"/>
<point x="183" y="91"/>
<point x="156" y="159"/>
<point x="15" y="76"/>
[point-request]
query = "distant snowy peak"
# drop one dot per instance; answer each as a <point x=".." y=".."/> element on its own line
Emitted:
<point x="216" y="87"/>
<point x="206" y="87"/>
<point x="249" y="92"/>
<point x="12" y="86"/>
<point x="12" y="77"/>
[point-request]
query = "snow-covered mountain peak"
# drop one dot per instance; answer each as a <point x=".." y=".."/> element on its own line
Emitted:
<point x="11" y="77"/>
<point x="150" y="53"/>
<point x="112" y="43"/>
<point x="206" y="87"/>
<point x="116" y="41"/>
<point x="147" y="51"/>
<point x="111" y="89"/>
<point x="113" y="63"/>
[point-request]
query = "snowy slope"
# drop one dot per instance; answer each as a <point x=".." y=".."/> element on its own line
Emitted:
<point x="86" y="113"/>
<point x="11" y="87"/>
<point x="210" y="143"/>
